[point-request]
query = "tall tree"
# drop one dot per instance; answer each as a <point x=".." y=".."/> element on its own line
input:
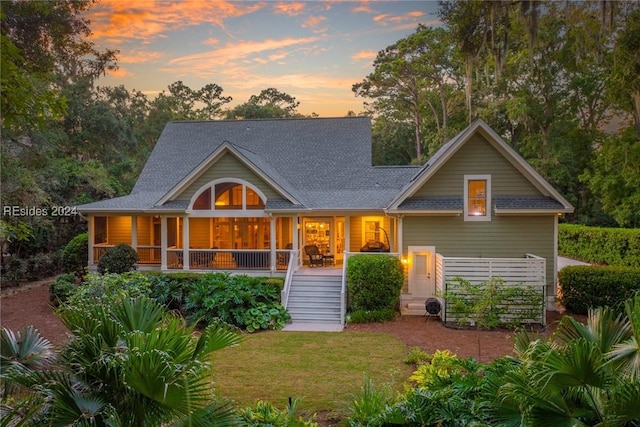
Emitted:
<point x="270" y="103"/>
<point x="412" y="78"/>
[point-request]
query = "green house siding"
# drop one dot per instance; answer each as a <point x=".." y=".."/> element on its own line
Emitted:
<point x="477" y="157"/>
<point x="502" y="237"/>
<point x="228" y="166"/>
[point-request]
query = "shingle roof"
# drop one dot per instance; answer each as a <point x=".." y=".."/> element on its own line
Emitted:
<point x="324" y="164"/>
<point x="435" y="203"/>
<point x="527" y="203"/>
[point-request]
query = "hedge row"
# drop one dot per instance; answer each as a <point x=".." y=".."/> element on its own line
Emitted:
<point x="597" y="245"/>
<point x="584" y="287"/>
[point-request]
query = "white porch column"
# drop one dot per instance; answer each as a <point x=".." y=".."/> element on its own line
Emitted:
<point x="90" y="234"/>
<point x="295" y="232"/>
<point x="185" y="241"/>
<point x="347" y="233"/>
<point x="163" y="242"/>
<point x="134" y="232"/>
<point x="399" y="235"/>
<point x="272" y="243"/>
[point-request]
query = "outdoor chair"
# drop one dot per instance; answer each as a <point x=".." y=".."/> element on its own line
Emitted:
<point x="315" y="257"/>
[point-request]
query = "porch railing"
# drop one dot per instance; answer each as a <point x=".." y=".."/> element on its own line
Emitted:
<point x="149" y="255"/>
<point x="291" y="267"/>
<point x="99" y="250"/>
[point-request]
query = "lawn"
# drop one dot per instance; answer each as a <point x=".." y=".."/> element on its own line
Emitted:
<point x="321" y="368"/>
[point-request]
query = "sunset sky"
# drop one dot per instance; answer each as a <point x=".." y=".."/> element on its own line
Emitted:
<point x="313" y="50"/>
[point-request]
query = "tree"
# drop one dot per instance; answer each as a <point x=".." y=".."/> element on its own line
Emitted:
<point x="184" y="103"/>
<point x="412" y="79"/>
<point x="270" y="103"/>
<point x="128" y="364"/>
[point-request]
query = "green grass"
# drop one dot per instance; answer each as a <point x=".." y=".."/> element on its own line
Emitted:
<point x="321" y="368"/>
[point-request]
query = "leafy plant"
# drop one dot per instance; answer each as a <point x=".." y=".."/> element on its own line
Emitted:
<point x="62" y="288"/>
<point x="491" y="304"/>
<point x="75" y="255"/>
<point x="266" y="414"/>
<point x="417" y="356"/>
<point x="367" y="405"/>
<point x="129" y="363"/>
<point x="118" y="259"/>
<point x="109" y="288"/>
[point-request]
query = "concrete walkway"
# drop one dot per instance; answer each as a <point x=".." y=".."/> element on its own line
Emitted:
<point x="313" y="327"/>
<point x="564" y="262"/>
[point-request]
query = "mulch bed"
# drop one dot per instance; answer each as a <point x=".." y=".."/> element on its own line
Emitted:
<point x="29" y="304"/>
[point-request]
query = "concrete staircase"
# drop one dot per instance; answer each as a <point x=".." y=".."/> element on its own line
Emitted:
<point x="315" y="300"/>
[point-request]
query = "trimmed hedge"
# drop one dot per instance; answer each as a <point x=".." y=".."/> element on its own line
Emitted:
<point x="75" y="255"/>
<point x="598" y="245"/>
<point x="118" y="259"/>
<point x="584" y="287"/>
<point x="374" y="282"/>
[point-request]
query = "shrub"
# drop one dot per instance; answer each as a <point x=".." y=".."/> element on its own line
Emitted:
<point x="247" y="302"/>
<point x="36" y="267"/>
<point x="492" y="304"/>
<point x="584" y="287"/>
<point x="110" y="288"/>
<point x="265" y="414"/>
<point x="62" y="288"/>
<point x="370" y="316"/>
<point x="599" y="245"/>
<point x="75" y="255"/>
<point x="118" y="259"/>
<point x="417" y="356"/>
<point x="374" y="282"/>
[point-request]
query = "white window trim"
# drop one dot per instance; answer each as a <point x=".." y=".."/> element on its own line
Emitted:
<point x="468" y="217"/>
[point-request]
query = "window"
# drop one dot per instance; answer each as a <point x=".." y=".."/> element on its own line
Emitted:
<point x="228" y="196"/>
<point x="100" y="230"/>
<point x="477" y="198"/>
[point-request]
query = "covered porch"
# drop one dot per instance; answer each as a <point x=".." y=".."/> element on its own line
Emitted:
<point x="260" y="244"/>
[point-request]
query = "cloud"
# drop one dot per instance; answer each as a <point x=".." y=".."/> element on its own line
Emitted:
<point x="365" y="54"/>
<point x="120" y="73"/>
<point x="233" y="52"/>
<point x="139" y="56"/>
<point x="146" y="20"/>
<point x="313" y="21"/>
<point x="289" y="8"/>
<point x="387" y="18"/>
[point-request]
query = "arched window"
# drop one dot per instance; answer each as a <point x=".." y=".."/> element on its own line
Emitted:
<point x="228" y="195"/>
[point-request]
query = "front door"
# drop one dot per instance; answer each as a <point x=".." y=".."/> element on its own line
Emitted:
<point x="422" y="271"/>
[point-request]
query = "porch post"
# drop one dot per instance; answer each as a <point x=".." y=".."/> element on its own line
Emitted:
<point x="399" y="235"/>
<point x="185" y="241"/>
<point x="295" y="233"/>
<point x="272" y="243"/>
<point x="347" y="233"/>
<point x="163" y="242"/>
<point x="90" y="234"/>
<point x="134" y="232"/>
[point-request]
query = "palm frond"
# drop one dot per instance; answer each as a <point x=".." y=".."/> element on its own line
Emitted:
<point x="603" y="328"/>
<point x="215" y="337"/>
<point x="626" y="355"/>
<point x="138" y="314"/>
<point x="26" y="347"/>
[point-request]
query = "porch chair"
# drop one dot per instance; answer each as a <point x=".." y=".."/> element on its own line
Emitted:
<point x="315" y="257"/>
<point x="283" y="257"/>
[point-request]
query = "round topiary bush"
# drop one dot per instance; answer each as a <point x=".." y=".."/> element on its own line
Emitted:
<point x="75" y="256"/>
<point x="118" y="259"/>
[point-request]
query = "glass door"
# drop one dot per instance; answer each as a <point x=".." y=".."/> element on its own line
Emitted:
<point x="317" y="231"/>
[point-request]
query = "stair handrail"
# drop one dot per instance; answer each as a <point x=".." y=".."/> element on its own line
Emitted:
<point x="286" y="289"/>
<point x="343" y="289"/>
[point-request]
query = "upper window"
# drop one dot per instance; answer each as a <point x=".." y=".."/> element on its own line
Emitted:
<point x="477" y="198"/>
<point x="228" y="196"/>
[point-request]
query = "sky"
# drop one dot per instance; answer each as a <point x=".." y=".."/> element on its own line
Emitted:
<point x="312" y="50"/>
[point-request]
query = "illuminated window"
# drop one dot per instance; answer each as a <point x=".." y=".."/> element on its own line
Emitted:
<point x="477" y="198"/>
<point x="100" y="230"/>
<point x="228" y="196"/>
<point x="203" y="202"/>
<point x="253" y="200"/>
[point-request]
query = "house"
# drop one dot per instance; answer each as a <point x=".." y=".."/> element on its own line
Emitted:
<point x="248" y="196"/>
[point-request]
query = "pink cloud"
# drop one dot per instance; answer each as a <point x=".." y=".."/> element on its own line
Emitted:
<point x="289" y="8"/>
<point x="386" y="18"/>
<point x="119" y="21"/>
<point x="365" y="54"/>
